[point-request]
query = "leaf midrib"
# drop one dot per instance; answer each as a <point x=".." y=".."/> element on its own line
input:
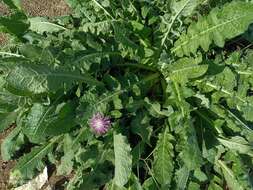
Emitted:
<point x="187" y="68"/>
<point x="48" y="23"/>
<point x="38" y="153"/>
<point x="41" y="121"/>
<point x="95" y="54"/>
<point x="86" y="79"/>
<point x="207" y="31"/>
<point x="172" y="22"/>
<point x="163" y="152"/>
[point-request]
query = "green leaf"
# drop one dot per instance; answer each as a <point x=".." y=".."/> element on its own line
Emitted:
<point x="90" y="180"/>
<point x="214" y="186"/>
<point x="47" y="121"/>
<point x="67" y="163"/>
<point x="90" y="104"/>
<point x="37" y="54"/>
<point x="134" y="183"/>
<point x="126" y="44"/>
<point x="6" y="119"/>
<point x="185" y="69"/>
<point x="240" y="166"/>
<point x="11" y="144"/>
<point x="89" y="56"/>
<point x="176" y="116"/>
<point x="201" y="176"/>
<point x="8" y="102"/>
<point x="247" y="111"/>
<point x="225" y="23"/>
<point x="140" y="125"/>
<point x="193" y="186"/>
<point x="238" y="144"/>
<point x="41" y="25"/>
<point x="37" y="79"/>
<point x="226" y="79"/>
<point x="101" y="27"/>
<point x="182" y="176"/>
<point x="137" y="152"/>
<point x="29" y="163"/>
<point x="163" y="164"/>
<point x="190" y="149"/>
<point x="13" y="4"/>
<point x="15" y="24"/>
<point x="123" y="160"/>
<point x="231" y="180"/>
<point x="113" y="186"/>
<point x="155" y="109"/>
<point x="179" y="8"/>
<point x="149" y="184"/>
<point x="86" y="157"/>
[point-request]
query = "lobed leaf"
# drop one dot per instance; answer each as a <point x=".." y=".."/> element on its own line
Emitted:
<point x="182" y="176"/>
<point x="163" y="164"/>
<point x="41" y="25"/>
<point x="11" y="144"/>
<point x="33" y="79"/>
<point x="231" y="180"/>
<point x="221" y="24"/>
<point x="15" y="24"/>
<point x="29" y="163"/>
<point x="123" y="160"/>
<point x="185" y="69"/>
<point x="238" y="144"/>
<point x="42" y="121"/>
<point x="179" y="8"/>
<point x="6" y="119"/>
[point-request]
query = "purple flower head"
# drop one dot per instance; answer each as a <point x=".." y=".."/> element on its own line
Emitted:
<point x="100" y="124"/>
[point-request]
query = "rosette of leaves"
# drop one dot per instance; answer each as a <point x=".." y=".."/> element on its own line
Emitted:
<point x="175" y="78"/>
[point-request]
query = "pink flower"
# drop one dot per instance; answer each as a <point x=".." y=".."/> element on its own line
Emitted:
<point x="100" y="124"/>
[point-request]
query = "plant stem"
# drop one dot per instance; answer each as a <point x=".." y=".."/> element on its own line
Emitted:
<point x="101" y="7"/>
<point x="11" y="54"/>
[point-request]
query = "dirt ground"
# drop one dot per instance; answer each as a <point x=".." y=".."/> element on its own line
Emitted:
<point x="3" y="39"/>
<point x="49" y="8"/>
<point x="5" y="167"/>
<point x="56" y="182"/>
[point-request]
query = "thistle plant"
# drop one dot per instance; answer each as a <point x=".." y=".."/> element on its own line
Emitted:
<point x="100" y="124"/>
<point x="174" y="77"/>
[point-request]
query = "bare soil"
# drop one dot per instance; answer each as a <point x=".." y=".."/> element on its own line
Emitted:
<point x="5" y="167"/>
<point x="47" y="8"/>
<point x="3" y="9"/>
<point x="3" y="39"/>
